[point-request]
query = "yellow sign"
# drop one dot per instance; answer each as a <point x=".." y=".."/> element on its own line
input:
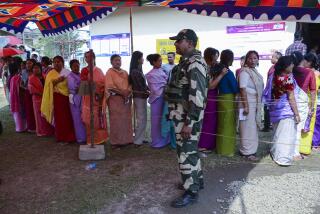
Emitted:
<point x="165" y="46"/>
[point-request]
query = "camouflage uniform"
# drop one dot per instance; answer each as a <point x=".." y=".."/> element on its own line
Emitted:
<point x="186" y="95"/>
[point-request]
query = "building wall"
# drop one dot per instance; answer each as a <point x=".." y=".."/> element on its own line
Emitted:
<point x="151" y="23"/>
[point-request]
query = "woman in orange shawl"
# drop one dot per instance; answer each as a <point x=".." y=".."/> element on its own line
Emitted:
<point x="118" y="95"/>
<point x="55" y="102"/>
<point x="99" y="107"/>
<point x="35" y="86"/>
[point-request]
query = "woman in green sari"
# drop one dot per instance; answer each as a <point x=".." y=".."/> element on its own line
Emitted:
<point x="227" y="90"/>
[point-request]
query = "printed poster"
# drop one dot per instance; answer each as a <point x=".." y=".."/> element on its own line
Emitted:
<point x="164" y="46"/>
<point x="107" y="45"/>
<point x="266" y="38"/>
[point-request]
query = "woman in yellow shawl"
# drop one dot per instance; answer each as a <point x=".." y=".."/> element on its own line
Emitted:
<point x="55" y="102"/>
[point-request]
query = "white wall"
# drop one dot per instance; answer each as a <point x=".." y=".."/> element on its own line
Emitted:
<point x="151" y="23"/>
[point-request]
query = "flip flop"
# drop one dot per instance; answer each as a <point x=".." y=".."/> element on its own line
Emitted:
<point x="206" y="151"/>
<point x="252" y="158"/>
<point x="202" y="155"/>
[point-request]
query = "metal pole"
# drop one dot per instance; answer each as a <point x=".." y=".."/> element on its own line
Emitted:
<point x="91" y="89"/>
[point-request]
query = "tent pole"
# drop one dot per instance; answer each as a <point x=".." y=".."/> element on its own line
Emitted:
<point x="131" y="41"/>
<point x="91" y="88"/>
<point x="131" y="36"/>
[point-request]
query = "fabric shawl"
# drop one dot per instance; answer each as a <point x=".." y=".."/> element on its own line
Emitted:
<point x="15" y="93"/>
<point x="258" y="82"/>
<point x="116" y="80"/>
<point x="157" y="80"/>
<point x="34" y="85"/>
<point x="47" y="99"/>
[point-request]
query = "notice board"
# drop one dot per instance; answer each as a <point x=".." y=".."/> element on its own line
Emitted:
<point x="107" y="45"/>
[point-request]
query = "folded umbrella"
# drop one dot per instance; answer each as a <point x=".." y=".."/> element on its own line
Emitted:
<point x="9" y="52"/>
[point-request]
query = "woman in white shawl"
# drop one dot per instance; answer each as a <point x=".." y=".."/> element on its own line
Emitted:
<point x="251" y="88"/>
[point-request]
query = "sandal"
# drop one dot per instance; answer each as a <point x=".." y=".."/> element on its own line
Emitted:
<point x="252" y="158"/>
<point x="202" y="155"/>
<point x="205" y="151"/>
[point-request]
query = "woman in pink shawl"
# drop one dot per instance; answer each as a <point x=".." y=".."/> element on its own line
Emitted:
<point x="157" y="79"/>
<point x="28" y="104"/>
<point x="16" y="99"/>
<point x="35" y="86"/>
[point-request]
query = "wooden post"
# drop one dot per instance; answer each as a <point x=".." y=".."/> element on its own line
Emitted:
<point x="91" y="89"/>
<point x="131" y="31"/>
<point x="91" y="152"/>
<point x="131" y="41"/>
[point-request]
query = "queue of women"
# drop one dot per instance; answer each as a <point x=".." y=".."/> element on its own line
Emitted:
<point x="48" y="100"/>
<point x="290" y="95"/>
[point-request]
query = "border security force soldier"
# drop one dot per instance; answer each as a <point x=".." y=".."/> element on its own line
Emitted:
<point x="186" y="94"/>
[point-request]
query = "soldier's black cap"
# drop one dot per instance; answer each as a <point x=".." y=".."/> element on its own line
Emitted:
<point x="187" y="34"/>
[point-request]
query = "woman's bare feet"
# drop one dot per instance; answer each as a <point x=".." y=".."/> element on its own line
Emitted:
<point x="316" y="149"/>
<point x="298" y="157"/>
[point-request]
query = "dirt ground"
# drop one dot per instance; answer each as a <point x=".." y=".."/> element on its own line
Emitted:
<point x="40" y="176"/>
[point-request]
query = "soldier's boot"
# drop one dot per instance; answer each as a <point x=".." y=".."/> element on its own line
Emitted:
<point x="188" y="198"/>
<point x="180" y="186"/>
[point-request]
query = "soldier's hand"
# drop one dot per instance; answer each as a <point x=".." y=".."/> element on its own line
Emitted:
<point x="186" y="132"/>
